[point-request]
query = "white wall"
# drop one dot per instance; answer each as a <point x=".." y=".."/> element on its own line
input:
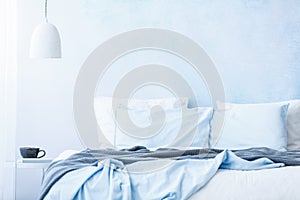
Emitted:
<point x="254" y="44"/>
<point x="8" y="92"/>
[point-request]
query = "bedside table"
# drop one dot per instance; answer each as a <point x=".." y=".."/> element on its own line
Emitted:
<point x="31" y="163"/>
<point x="37" y="163"/>
<point x="34" y="163"/>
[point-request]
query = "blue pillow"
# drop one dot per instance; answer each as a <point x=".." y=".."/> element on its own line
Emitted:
<point x="178" y="128"/>
<point x="251" y="125"/>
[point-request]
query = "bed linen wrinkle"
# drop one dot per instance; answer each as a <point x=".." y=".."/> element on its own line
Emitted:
<point x="238" y="159"/>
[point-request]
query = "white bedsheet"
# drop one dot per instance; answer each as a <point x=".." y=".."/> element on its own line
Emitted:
<point x="268" y="184"/>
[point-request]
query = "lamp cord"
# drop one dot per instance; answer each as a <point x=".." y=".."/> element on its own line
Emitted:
<point x="46" y="10"/>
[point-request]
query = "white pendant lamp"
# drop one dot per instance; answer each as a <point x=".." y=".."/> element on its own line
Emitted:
<point x="45" y="40"/>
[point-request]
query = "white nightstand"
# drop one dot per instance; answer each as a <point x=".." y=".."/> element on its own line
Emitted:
<point x="36" y="163"/>
<point x="31" y="163"/>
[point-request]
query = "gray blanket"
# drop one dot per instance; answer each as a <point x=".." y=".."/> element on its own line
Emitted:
<point x="90" y="157"/>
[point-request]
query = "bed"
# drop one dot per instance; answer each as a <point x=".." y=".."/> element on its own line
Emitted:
<point x="265" y="183"/>
<point x="257" y="156"/>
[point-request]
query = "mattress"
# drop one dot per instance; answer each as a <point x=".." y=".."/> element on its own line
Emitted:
<point x="268" y="184"/>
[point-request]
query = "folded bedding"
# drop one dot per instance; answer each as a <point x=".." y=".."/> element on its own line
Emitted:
<point x="139" y="173"/>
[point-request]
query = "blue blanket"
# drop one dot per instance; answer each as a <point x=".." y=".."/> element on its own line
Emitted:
<point x="142" y="174"/>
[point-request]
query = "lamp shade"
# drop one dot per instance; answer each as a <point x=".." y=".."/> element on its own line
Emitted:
<point x="45" y="42"/>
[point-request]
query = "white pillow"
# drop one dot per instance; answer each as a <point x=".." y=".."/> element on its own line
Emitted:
<point x="181" y="128"/>
<point x="251" y="125"/>
<point x="105" y="116"/>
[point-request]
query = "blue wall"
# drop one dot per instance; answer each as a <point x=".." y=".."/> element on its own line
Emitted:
<point x="255" y="44"/>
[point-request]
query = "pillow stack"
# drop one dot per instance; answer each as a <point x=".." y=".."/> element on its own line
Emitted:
<point x="272" y="125"/>
<point x="174" y="132"/>
<point x="182" y="127"/>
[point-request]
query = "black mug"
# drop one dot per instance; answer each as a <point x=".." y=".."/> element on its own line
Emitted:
<point x="31" y="152"/>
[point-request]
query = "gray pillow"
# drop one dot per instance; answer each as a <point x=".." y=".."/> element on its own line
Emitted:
<point x="293" y="125"/>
